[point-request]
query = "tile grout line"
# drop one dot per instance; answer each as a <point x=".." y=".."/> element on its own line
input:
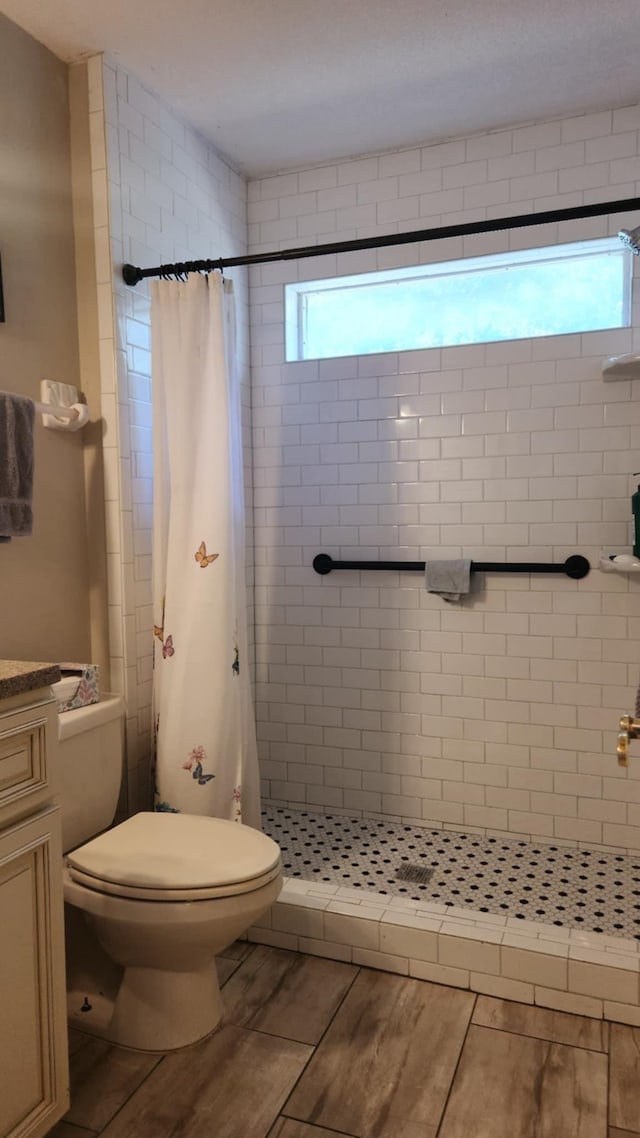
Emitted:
<point x="211" y="1034"/>
<point x="273" y="1035"/>
<point x="134" y="1092"/>
<point x="316" y="1045"/>
<point x="608" y="1103"/>
<point x="542" y="1038"/>
<point x="128" y="1050"/>
<point x="457" y="1068"/>
<point x="238" y="964"/>
<point x="328" y="1129"/>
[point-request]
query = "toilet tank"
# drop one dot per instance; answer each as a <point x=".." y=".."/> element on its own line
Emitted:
<point x="90" y="762"/>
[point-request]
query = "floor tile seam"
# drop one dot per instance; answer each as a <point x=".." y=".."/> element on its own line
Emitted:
<point x="227" y="978"/>
<point x="543" y="1038"/>
<point x="445" y="1106"/>
<point x="270" y="1034"/>
<point x="551" y="1042"/>
<point x="315" y="1047"/>
<point x="238" y="965"/>
<point x="134" y="1092"/>
<point x="612" y="1124"/>
<point x="609" y="1080"/>
<point x="286" y="1095"/>
<point x="306" y="956"/>
<point x="357" y="970"/>
<point x="312" y="1126"/>
<point x="242" y="959"/>
<point x="209" y="1036"/>
<point x="254" y="1012"/>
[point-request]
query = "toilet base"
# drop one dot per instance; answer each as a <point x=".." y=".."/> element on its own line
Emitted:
<point x="152" y="1010"/>
<point x="160" y="1011"/>
<point x="89" y="1011"/>
<point x="153" y="962"/>
<point x="147" y="1009"/>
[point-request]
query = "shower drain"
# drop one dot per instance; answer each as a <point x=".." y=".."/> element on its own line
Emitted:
<point x="417" y="873"/>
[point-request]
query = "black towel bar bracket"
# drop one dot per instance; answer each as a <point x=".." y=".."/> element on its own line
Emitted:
<point x="575" y="566"/>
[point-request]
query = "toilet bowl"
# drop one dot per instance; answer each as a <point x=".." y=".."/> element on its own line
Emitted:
<point x="164" y="894"/>
<point x="161" y="894"/>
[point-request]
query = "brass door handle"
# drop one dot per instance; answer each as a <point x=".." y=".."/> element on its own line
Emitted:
<point x="629" y="729"/>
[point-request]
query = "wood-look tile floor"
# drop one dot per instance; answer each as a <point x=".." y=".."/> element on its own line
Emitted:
<point x="313" y="1048"/>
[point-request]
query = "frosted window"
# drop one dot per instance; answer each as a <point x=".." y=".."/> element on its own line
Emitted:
<point x="580" y="287"/>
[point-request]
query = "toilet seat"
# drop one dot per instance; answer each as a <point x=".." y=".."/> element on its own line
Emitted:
<point x="133" y="893"/>
<point x="176" y="857"/>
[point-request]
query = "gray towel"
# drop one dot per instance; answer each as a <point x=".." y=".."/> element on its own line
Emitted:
<point x="17" y="416"/>
<point x="449" y="579"/>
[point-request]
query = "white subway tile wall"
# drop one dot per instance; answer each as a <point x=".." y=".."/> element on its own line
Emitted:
<point x="374" y="697"/>
<point x="161" y="194"/>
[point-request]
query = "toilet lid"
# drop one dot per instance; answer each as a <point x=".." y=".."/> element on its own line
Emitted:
<point x="178" y="852"/>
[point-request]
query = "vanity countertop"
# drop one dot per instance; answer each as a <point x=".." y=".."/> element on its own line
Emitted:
<point x="17" y="676"/>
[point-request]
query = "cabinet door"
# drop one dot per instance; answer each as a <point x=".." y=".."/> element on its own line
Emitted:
<point x="28" y="742"/>
<point x="33" y="1029"/>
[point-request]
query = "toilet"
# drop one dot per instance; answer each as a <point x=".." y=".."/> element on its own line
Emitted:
<point x="150" y="902"/>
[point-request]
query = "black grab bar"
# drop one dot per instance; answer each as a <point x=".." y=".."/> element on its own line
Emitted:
<point x="575" y="566"/>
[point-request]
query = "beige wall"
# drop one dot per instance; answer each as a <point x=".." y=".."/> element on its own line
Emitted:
<point x="44" y="580"/>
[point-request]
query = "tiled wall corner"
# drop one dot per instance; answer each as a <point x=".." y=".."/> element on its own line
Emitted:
<point x="163" y="194"/>
<point x="107" y="356"/>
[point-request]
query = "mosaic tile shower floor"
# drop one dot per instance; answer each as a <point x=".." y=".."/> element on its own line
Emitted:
<point x="575" y="888"/>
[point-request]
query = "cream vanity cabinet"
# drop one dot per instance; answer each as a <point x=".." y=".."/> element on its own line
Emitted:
<point x="34" y="1082"/>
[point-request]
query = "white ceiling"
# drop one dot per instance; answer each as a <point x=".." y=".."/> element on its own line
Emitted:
<point x="277" y="84"/>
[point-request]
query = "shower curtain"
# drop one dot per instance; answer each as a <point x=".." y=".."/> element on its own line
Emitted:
<point x="205" y="749"/>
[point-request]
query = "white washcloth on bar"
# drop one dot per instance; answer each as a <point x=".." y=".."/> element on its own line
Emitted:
<point x="451" y="580"/>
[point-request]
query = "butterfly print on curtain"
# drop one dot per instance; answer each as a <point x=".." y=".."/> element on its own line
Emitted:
<point x="201" y="556"/>
<point x="194" y="764"/>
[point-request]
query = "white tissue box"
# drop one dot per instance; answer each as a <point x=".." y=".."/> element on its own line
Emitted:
<point x="78" y="687"/>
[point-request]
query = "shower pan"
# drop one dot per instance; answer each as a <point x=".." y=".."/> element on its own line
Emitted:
<point x="549" y="924"/>
<point x="556" y="885"/>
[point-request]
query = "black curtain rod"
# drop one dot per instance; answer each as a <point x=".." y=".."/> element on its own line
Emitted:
<point x="575" y="566"/>
<point x="132" y="275"/>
